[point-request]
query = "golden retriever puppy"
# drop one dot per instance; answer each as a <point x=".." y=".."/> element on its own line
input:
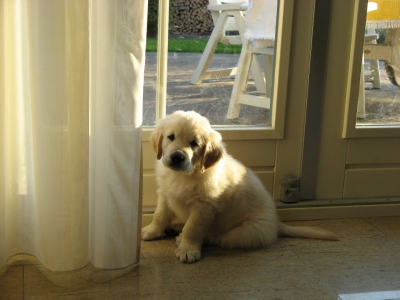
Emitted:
<point x="214" y="197"/>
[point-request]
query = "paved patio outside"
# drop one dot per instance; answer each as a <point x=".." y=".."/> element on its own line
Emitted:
<point x="211" y="98"/>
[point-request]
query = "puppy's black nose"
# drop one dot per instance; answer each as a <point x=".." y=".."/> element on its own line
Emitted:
<point x="177" y="158"/>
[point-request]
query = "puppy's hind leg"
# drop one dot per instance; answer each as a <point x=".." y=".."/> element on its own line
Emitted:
<point x="250" y="234"/>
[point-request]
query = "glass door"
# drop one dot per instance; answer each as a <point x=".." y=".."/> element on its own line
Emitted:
<point x="374" y="106"/>
<point x="360" y="146"/>
<point x="210" y="59"/>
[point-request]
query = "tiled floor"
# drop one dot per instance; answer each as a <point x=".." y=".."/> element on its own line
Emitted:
<point x="365" y="264"/>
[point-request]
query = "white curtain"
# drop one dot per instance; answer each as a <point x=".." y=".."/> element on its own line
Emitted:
<point x="71" y="80"/>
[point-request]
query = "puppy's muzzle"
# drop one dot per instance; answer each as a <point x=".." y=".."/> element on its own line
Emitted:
<point x="179" y="161"/>
<point x="177" y="158"/>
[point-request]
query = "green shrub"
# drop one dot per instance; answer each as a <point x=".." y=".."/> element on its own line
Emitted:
<point x="152" y="17"/>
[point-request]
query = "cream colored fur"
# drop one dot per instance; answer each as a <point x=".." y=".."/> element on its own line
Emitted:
<point x="211" y="195"/>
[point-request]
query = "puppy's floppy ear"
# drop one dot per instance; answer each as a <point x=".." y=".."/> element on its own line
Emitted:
<point x="213" y="151"/>
<point x="156" y="140"/>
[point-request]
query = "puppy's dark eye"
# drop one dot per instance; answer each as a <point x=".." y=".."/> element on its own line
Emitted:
<point x="193" y="144"/>
<point x="171" y="137"/>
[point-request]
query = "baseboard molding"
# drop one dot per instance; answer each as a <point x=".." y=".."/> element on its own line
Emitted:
<point x="339" y="212"/>
<point x="327" y="209"/>
<point x="146" y="219"/>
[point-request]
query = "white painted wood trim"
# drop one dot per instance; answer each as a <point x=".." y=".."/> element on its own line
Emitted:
<point x="258" y="101"/>
<point x="378" y="52"/>
<point x="282" y="59"/>
<point x="162" y="59"/>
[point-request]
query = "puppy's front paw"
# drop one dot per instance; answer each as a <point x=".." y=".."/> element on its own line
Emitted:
<point x="152" y="232"/>
<point x="188" y="253"/>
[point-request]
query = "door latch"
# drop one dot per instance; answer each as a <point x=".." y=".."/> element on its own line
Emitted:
<point x="290" y="189"/>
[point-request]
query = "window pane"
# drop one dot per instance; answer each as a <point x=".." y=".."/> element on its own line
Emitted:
<point x="149" y="89"/>
<point x="379" y="99"/>
<point x="190" y="33"/>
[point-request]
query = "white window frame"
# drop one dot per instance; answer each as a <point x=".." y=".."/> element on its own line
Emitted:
<point x="278" y="105"/>
<point x="350" y="128"/>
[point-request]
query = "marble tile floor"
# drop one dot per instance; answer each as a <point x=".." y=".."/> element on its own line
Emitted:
<point x="365" y="264"/>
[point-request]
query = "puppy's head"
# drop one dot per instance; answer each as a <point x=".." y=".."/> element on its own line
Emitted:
<point x="185" y="141"/>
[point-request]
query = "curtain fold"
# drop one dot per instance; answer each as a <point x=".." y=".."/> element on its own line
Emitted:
<point x="71" y="78"/>
<point x="115" y="130"/>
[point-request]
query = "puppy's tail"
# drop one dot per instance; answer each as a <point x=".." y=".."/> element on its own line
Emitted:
<point x="307" y="232"/>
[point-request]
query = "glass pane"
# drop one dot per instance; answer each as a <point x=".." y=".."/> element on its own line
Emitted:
<point x="191" y="42"/>
<point x="379" y="99"/>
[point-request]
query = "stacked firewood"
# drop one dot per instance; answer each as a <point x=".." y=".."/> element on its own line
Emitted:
<point x="191" y="17"/>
